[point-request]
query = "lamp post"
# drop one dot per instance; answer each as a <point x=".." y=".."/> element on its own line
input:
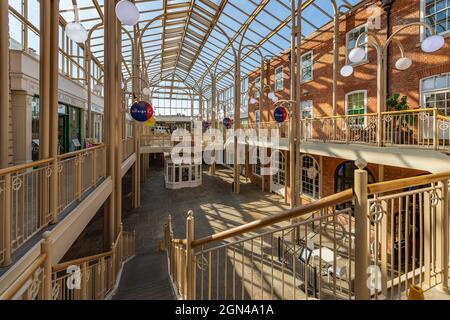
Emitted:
<point x="296" y="67"/>
<point x="358" y="54"/>
<point x="88" y="59"/>
<point x="290" y="105"/>
<point x="337" y="12"/>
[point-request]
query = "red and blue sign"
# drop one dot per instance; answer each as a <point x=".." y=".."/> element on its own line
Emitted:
<point x="141" y="111"/>
<point x="227" y="123"/>
<point x="280" y="114"/>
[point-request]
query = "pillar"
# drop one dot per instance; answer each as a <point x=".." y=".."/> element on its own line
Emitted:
<point x="4" y="86"/>
<point x="110" y="116"/>
<point x="213" y="121"/>
<point x="119" y="120"/>
<point x="362" y="253"/>
<point x="44" y="79"/>
<point x="22" y="118"/>
<point x="136" y="183"/>
<point x="46" y="248"/>
<point x="237" y="126"/>
<point x="53" y="108"/>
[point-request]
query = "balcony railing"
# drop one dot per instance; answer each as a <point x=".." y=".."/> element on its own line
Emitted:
<point x="78" y="172"/>
<point x="398" y="230"/>
<point x="90" y="278"/>
<point x="26" y="195"/>
<point x="282" y="127"/>
<point x="128" y="148"/>
<point x="157" y="141"/>
<point x="418" y="128"/>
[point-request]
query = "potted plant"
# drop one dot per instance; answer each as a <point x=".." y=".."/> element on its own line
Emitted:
<point x="395" y="103"/>
<point x="396" y="131"/>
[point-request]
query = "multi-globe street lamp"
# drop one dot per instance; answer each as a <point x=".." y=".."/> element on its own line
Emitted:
<point x="430" y="44"/>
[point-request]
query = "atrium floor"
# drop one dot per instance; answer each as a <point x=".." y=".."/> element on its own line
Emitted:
<point x="215" y="209"/>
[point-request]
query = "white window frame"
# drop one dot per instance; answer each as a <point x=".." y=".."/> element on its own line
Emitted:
<point x="312" y="66"/>
<point x="434" y="90"/>
<point x="277" y="88"/>
<point x="257" y="116"/>
<point x="258" y="163"/>
<point x="258" y="82"/>
<point x="366" y="26"/>
<point x="319" y="173"/>
<point x="365" y="103"/>
<point x="312" y="107"/>
<point x="423" y="19"/>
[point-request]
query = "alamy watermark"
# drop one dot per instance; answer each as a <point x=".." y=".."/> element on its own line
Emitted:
<point x="217" y="147"/>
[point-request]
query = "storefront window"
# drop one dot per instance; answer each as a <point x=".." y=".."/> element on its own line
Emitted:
<point x="35" y="128"/>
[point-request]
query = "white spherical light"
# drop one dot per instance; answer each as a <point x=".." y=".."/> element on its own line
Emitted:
<point x="127" y="13"/>
<point x="357" y="55"/>
<point x="76" y="32"/>
<point x="253" y="101"/>
<point x="403" y="63"/>
<point x="433" y="43"/>
<point x="271" y="95"/>
<point x="146" y="91"/>
<point x="98" y="88"/>
<point x="347" y="71"/>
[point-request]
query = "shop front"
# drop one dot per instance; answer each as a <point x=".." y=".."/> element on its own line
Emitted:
<point x="70" y="136"/>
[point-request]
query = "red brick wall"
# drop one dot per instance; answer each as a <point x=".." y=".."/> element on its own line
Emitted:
<point x="330" y="166"/>
<point x="319" y="90"/>
<point x="424" y="65"/>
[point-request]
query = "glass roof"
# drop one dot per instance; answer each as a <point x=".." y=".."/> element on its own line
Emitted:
<point x="187" y="39"/>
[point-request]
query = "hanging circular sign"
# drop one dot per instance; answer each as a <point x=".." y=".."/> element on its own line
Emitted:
<point x="206" y="125"/>
<point x="151" y="122"/>
<point x="280" y="114"/>
<point x="227" y="122"/>
<point x="141" y="111"/>
<point x="312" y="173"/>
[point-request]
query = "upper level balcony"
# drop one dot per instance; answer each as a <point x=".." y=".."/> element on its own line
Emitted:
<point x="418" y="128"/>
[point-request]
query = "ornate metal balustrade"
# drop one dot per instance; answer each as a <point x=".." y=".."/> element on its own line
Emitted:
<point x="28" y="202"/>
<point x="396" y="235"/>
<point x="418" y="128"/>
<point x="90" y="278"/>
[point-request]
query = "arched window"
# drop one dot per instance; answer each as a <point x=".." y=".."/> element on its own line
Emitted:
<point x="279" y="164"/>
<point x="310" y="177"/>
<point x="344" y="179"/>
<point x="345" y="176"/>
<point x="435" y="92"/>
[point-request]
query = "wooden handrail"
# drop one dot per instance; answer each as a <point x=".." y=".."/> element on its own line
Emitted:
<point x="374" y="114"/>
<point x="333" y="200"/>
<point x="321" y="204"/>
<point x="76" y="153"/>
<point x="342" y="116"/>
<point x="418" y="110"/>
<point x="24" y="166"/>
<point x="389" y="186"/>
<point x="441" y="117"/>
<point x="23" y="278"/>
<point x="65" y="265"/>
<point x="180" y="241"/>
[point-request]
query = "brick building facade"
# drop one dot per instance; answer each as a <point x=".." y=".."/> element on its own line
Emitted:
<point x="316" y="89"/>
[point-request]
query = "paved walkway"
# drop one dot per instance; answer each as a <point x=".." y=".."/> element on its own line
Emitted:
<point x="215" y="209"/>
